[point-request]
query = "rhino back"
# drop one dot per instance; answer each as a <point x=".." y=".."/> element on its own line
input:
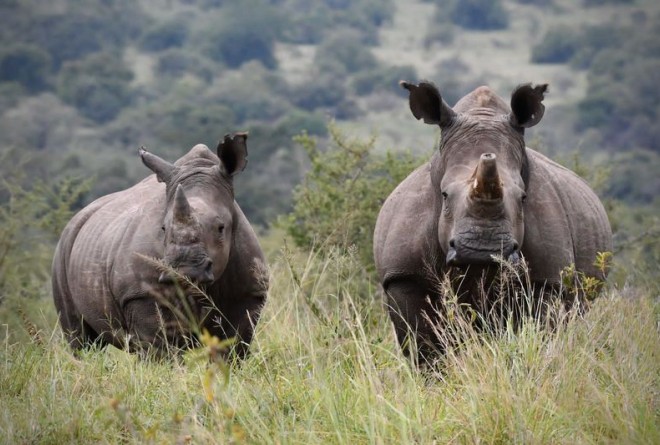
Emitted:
<point x="565" y="221"/>
<point x="403" y="236"/>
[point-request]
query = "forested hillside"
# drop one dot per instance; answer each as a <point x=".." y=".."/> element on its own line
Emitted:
<point x="85" y="83"/>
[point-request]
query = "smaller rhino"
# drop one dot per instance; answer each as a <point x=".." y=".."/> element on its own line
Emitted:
<point x="107" y="288"/>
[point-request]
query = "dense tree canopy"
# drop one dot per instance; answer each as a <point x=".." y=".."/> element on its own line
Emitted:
<point x="84" y="83"/>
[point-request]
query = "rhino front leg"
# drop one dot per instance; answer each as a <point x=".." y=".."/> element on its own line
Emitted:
<point x="238" y="318"/>
<point x="415" y="315"/>
<point x="154" y="328"/>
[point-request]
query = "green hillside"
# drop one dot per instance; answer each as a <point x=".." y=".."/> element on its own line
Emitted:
<point x="84" y="84"/>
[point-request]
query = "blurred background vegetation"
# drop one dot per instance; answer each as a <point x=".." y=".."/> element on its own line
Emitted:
<point x="84" y="84"/>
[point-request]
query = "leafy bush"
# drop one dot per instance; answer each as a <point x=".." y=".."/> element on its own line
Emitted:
<point x="98" y="85"/>
<point x="243" y="31"/>
<point x="382" y="78"/>
<point x="177" y="62"/>
<point x="341" y="195"/>
<point x="165" y="35"/>
<point x="310" y="21"/>
<point x="542" y="3"/>
<point x="606" y="2"/>
<point x="28" y="65"/>
<point x="85" y="28"/>
<point x="40" y="123"/>
<point x="593" y="40"/>
<point x="327" y="92"/>
<point x="558" y="45"/>
<point x="252" y="92"/>
<point x="479" y="14"/>
<point x="31" y="220"/>
<point x="343" y="53"/>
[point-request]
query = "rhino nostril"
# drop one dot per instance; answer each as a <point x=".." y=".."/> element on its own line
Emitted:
<point x="165" y="278"/>
<point x="209" y="266"/>
<point x="452" y="243"/>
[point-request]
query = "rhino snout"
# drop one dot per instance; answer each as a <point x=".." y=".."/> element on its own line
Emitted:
<point x="460" y="254"/>
<point x="514" y="256"/>
<point x="197" y="274"/>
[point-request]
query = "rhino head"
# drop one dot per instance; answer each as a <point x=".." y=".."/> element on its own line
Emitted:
<point x="480" y="172"/>
<point x="197" y="224"/>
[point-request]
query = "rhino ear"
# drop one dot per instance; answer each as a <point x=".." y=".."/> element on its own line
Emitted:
<point x="163" y="169"/>
<point x="426" y="103"/>
<point x="232" y="151"/>
<point x="526" y="105"/>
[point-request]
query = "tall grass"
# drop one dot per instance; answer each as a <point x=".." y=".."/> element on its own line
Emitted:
<point x="325" y="368"/>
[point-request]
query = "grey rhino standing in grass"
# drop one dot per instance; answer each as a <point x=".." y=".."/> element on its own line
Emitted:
<point x="108" y="291"/>
<point x="482" y="194"/>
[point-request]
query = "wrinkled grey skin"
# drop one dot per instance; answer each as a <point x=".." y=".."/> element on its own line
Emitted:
<point x="106" y="292"/>
<point x="483" y="193"/>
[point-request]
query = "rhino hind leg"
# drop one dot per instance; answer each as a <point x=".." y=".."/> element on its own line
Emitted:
<point x="415" y="315"/>
<point x="78" y="332"/>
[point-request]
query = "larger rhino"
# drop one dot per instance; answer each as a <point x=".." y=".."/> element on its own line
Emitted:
<point x="108" y="291"/>
<point x="483" y="194"/>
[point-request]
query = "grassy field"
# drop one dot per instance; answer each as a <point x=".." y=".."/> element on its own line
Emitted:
<point x="325" y="369"/>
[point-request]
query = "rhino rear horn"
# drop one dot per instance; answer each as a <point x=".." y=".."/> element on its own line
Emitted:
<point x="426" y="103"/>
<point x="181" y="211"/>
<point x="487" y="184"/>
<point x="163" y="169"/>
<point x="527" y="108"/>
<point x="232" y="151"/>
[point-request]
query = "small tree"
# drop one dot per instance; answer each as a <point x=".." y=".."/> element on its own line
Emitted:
<point x="31" y="220"/>
<point x="339" y="200"/>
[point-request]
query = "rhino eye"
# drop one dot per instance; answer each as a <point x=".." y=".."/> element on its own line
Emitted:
<point x="444" y="195"/>
<point x="221" y="229"/>
<point x="162" y="228"/>
<point x="524" y="197"/>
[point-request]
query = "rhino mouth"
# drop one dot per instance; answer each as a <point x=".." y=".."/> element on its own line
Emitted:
<point x="460" y="255"/>
<point x="200" y="274"/>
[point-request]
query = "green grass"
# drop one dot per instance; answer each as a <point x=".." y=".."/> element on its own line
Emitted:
<point x="325" y="368"/>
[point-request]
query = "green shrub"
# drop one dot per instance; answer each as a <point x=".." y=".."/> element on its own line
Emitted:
<point x="382" y="79"/>
<point x="589" y="3"/>
<point x="343" y="53"/>
<point x="243" y="31"/>
<point x="98" y="85"/>
<point x="339" y="199"/>
<point x="479" y="14"/>
<point x="31" y="220"/>
<point x="28" y="65"/>
<point x="165" y="35"/>
<point x="558" y="45"/>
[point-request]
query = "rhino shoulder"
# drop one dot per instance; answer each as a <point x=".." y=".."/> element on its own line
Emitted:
<point x="403" y="236"/>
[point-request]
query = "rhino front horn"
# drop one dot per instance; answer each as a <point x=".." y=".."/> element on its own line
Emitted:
<point x="182" y="210"/>
<point x="486" y="183"/>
